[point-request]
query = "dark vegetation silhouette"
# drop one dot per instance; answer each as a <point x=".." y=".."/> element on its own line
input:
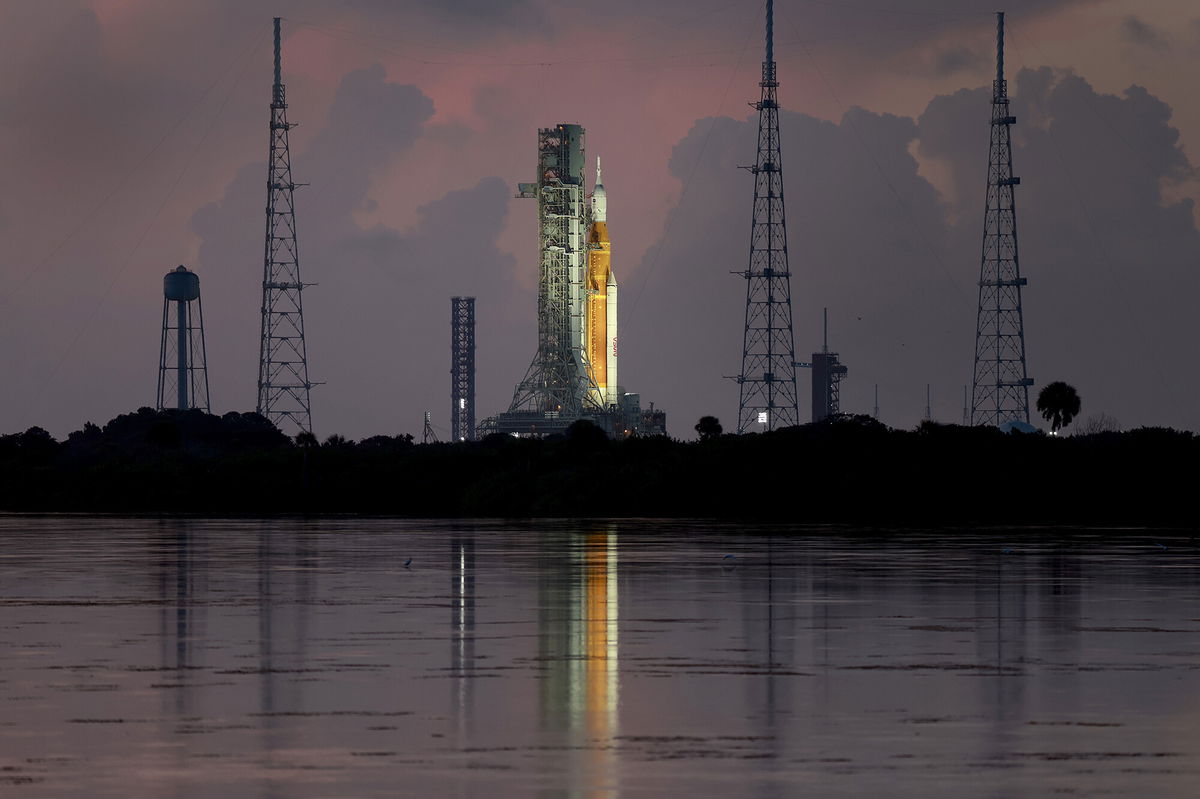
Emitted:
<point x="709" y="427"/>
<point x="1058" y="403"/>
<point x="847" y="469"/>
<point x="1099" y="423"/>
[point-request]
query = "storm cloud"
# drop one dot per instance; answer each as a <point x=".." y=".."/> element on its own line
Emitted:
<point x="137" y="139"/>
<point x="1111" y="264"/>
<point x="1136" y="31"/>
<point x="382" y="294"/>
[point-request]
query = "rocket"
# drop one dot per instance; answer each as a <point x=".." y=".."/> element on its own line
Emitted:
<point x="601" y="300"/>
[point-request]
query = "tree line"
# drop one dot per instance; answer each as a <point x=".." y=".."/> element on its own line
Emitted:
<point x="848" y="469"/>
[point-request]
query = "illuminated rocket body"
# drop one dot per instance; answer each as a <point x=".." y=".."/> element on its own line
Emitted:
<point x="573" y="374"/>
<point x="601" y="301"/>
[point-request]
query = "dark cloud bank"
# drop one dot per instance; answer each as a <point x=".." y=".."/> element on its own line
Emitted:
<point x="1111" y="265"/>
<point x="378" y="320"/>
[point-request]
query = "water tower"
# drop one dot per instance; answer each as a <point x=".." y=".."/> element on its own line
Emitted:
<point x="181" y="357"/>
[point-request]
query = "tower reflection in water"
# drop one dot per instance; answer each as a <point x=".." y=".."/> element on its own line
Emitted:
<point x="178" y="575"/>
<point x="579" y="647"/>
<point x="462" y="637"/>
<point x="286" y="563"/>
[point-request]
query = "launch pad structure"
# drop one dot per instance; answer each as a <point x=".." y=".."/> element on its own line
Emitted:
<point x="828" y="371"/>
<point x="573" y="374"/>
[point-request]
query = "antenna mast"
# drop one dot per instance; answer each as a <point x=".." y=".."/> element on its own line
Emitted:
<point x="427" y="434"/>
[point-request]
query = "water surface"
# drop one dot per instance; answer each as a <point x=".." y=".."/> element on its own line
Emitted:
<point x="338" y="658"/>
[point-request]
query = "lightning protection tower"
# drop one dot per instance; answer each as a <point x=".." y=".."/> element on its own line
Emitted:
<point x="181" y="356"/>
<point x="767" y="383"/>
<point x="1000" y="390"/>
<point x="462" y="368"/>
<point x="283" y="385"/>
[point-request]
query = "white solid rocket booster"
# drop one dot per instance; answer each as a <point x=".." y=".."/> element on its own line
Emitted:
<point x="613" y="390"/>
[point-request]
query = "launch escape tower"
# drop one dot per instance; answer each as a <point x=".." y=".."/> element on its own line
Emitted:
<point x="462" y="368"/>
<point x="1000" y="390"/>
<point x="767" y="383"/>
<point x="283" y="385"/>
<point x="181" y="351"/>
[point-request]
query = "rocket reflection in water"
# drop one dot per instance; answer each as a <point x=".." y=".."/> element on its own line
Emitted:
<point x="601" y="650"/>
<point x="579" y="641"/>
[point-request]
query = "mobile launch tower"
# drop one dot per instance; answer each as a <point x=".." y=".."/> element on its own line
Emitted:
<point x="181" y="352"/>
<point x="573" y="375"/>
<point x="1000" y="389"/>
<point x="283" y="385"/>
<point x="558" y="387"/>
<point x="767" y="383"/>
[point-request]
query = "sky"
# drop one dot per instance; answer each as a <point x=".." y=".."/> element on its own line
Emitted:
<point x="135" y="135"/>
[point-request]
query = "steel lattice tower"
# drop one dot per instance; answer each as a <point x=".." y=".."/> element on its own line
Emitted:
<point x="1000" y="390"/>
<point x="462" y="368"/>
<point x="768" y="379"/>
<point x="283" y="385"/>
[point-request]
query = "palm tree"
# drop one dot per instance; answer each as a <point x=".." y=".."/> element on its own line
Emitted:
<point x="709" y="428"/>
<point x="1059" y="404"/>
